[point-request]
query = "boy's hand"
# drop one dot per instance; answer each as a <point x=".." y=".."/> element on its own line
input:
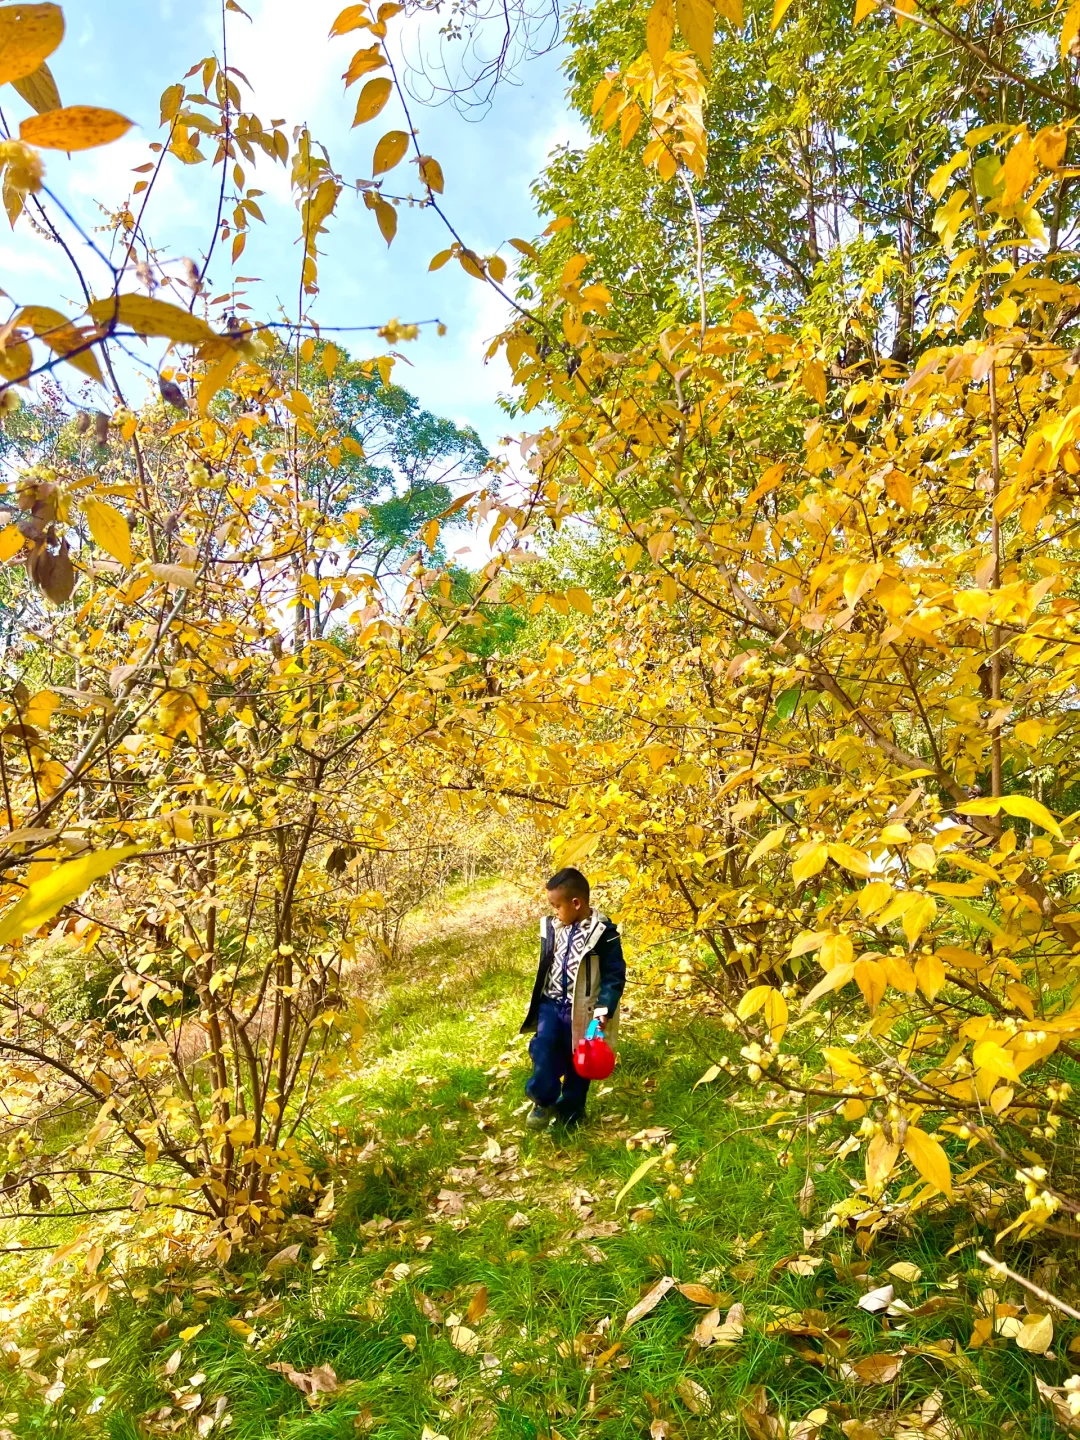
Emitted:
<point x="600" y="1016"/>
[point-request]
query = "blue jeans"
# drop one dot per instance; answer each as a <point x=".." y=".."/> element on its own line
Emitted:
<point x="554" y="1081"/>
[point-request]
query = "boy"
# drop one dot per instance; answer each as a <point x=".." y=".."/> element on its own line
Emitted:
<point x="580" y="977"/>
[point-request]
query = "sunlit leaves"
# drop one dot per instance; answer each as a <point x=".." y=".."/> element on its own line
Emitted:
<point x="389" y="151"/>
<point x="659" y="30"/>
<point x="109" y="529"/>
<point x="147" y="316"/>
<point x="78" y="127"/>
<point x="60" y="335"/>
<point x="28" y="35"/>
<point x="929" y="1158"/>
<point x="63" y="883"/>
<point x="370" y="58"/>
<point x="373" y="98"/>
<point x="39" y="89"/>
<point x="431" y="174"/>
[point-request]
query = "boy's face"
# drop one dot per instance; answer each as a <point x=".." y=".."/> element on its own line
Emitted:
<point x="567" y="908"/>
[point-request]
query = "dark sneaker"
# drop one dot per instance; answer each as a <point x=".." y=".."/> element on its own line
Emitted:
<point x="540" y="1117"/>
<point x="568" y="1122"/>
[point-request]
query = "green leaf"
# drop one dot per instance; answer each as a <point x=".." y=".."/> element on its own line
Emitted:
<point x="787" y="702"/>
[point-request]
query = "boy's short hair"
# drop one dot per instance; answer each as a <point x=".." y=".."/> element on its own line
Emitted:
<point x="571" y="881"/>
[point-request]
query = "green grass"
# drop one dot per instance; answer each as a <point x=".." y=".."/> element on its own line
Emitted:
<point x="437" y="1097"/>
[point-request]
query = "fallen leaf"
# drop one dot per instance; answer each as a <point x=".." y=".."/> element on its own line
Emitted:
<point x="650" y="1301"/>
<point x="518" y="1221"/>
<point x="805" y="1198"/>
<point x="464" y="1339"/>
<point x="477" y="1306"/>
<point x="694" y="1396"/>
<point x="804" y="1264"/>
<point x="723" y="1334"/>
<point x="1036" y="1334"/>
<point x="904" y="1270"/>
<point x="876" y="1300"/>
<point x="877" y="1369"/>
<point x="700" y="1294"/>
<point x="173" y="1363"/>
<point x="1056" y="1397"/>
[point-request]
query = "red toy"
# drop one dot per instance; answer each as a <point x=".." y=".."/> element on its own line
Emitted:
<point x="594" y="1058"/>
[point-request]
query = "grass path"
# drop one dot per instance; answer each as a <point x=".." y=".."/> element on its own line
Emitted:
<point x="476" y="1280"/>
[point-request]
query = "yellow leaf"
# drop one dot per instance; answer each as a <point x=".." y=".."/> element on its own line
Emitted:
<point x="1029" y="732"/>
<point x="353" y="17"/>
<point x="581" y="600"/>
<point x="776" y="1015"/>
<point x="150" y="317"/>
<point x="64" y="883"/>
<point x="386" y="219"/>
<point x="28" y="35"/>
<point x="1019" y="169"/>
<point x="873" y="896"/>
<point x="871" y="980"/>
<point x="1036" y="1334"/>
<point x="639" y="1174"/>
<point x="430" y="533"/>
<point x="881" y="1155"/>
<point x="78" y="127"/>
<point x="814" y="381"/>
<point x="215" y="378"/>
<point x="1070" y="29"/>
<point x="834" y="979"/>
<point x="752" y="1001"/>
<point x="898" y="488"/>
<point x="917" y="916"/>
<point x="929" y="1159"/>
<point x="730" y="10"/>
<point x="929" y="974"/>
<point x="372" y="99"/>
<point x="191" y="1332"/>
<point x="330" y="356"/>
<point x="1024" y="807"/>
<point x="900" y="974"/>
<point x="1003" y="313"/>
<point x="996" y="1060"/>
<point x="857" y="861"/>
<point x="696" y="21"/>
<point x="810" y="862"/>
<point x="39" y="89"/>
<point x="179" y="576"/>
<point x="863" y="8"/>
<point x="780" y="9"/>
<point x="11" y="542"/>
<point x="431" y="173"/>
<point x="109" y="529"/>
<point x="60" y="334"/>
<point x="389" y="151"/>
<point x="1050" y="145"/>
<point x="659" y="29"/>
<point x="770" y="842"/>
<point x="364" y="60"/>
<point x="39" y="712"/>
<point x="711" y="1074"/>
<point x="836" y="950"/>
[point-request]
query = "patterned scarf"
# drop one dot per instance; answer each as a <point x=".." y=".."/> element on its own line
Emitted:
<point x="569" y="948"/>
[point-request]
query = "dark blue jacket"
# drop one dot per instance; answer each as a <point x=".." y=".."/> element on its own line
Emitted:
<point x="602" y="965"/>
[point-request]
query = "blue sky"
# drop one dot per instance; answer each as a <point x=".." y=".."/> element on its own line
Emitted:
<point x="123" y="54"/>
